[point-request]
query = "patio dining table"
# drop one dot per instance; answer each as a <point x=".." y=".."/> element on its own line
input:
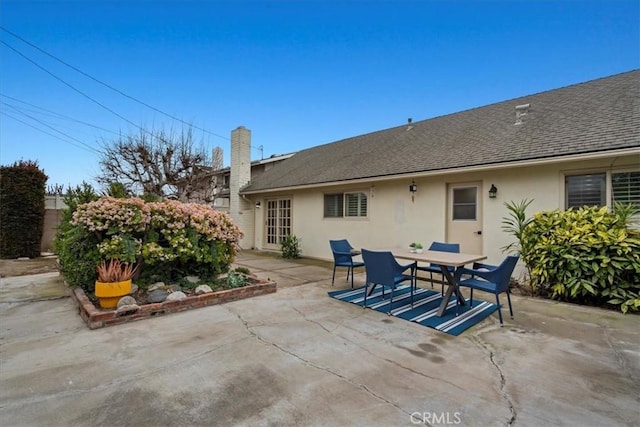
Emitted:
<point x="444" y="260"/>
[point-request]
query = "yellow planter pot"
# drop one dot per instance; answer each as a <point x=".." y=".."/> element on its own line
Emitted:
<point x="109" y="293"/>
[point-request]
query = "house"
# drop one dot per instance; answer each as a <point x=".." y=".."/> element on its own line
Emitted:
<point x="222" y="177"/>
<point x="227" y="182"/>
<point x="448" y="178"/>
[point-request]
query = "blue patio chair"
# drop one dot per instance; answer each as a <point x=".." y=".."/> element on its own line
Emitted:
<point x="489" y="278"/>
<point x="435" y="268"/>
<point x="383" y="269"/>
<point x="343" y="257"/>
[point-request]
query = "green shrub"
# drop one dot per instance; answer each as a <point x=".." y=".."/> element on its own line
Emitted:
<point x="290" y="247"/>
<point x="168" y="240"/>
<point x="22" y="191"/>
<point x="77" y="248"/>
<point x="585" y="255"/>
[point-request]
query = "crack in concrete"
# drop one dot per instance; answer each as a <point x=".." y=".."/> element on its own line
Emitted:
<point x="631" y="373"/>
<point x="364" y="387"/>
<point x="422" y="374"/>
<point x="503" y="390"/>
<point x="338" y="325"/>
<point x="393" y="362"/>
<point x="26" y="401"/>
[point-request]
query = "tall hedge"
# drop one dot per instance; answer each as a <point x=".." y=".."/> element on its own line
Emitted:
<point x="22" y="191"/>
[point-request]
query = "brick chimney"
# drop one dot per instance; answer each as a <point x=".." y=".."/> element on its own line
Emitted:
<point x="240" y="175"/>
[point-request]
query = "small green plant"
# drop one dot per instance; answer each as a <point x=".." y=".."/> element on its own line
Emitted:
<point x="515" y="224"/>
<point x="418" y="245"/>
<point x="236" y="280"/>
<point x="290" y="247"/>
<point x="115" y="271"/>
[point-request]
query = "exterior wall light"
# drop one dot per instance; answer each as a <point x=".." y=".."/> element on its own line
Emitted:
<point x="493" y="192"/>
<point x="258" y="205"/>
<point x="413" y="188"/>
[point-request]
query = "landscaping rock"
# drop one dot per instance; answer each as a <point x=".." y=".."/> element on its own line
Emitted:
<point x="127" y="300"/>
<point x="192" y="279"/>
<point x="134" y="288"/>
<point x="175" y="288"/>
<point x="176" y="296"/>
<point x="157" y="295"/>
<point x="157" y="285"/>
<point x="203" y="289"/>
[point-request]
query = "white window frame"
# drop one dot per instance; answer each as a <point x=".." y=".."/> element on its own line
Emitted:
<point x="362" y="205"/>
<point x="608" y="197"/>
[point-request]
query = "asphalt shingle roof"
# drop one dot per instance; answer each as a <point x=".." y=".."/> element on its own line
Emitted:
<point x="595" y="116"/>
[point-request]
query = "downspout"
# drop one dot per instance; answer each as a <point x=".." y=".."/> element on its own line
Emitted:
<point x="246" y="199"/>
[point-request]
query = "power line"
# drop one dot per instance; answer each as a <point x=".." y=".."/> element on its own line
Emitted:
<point x="53" y="113"/>
<point x="59" y="131"/>
<point x="90" y="149"/>
<point x="109" y="86"/>
<point x="20" y="110"/>
<point x="74" y="88"/>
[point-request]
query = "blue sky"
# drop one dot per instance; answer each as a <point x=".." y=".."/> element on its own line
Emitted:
<point x="297" y="73"/>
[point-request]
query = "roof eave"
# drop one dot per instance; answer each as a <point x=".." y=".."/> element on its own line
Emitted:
<point x="475" y="168"/>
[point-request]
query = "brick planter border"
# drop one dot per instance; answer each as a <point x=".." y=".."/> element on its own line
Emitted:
<point x="98" y="318"/>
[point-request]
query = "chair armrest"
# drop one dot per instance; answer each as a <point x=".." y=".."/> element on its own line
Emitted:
<point x="413" y="266"/>
<point x="479" y="265"/>
<point x="345" y="253"/>
<point x="488" y="275"/>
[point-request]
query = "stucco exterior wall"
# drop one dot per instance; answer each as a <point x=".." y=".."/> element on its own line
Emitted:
<point x="394" y="220"/>
<point x="53" y="205"/>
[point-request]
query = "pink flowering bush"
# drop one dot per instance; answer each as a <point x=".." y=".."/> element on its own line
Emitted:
<point x="167" y="239"/>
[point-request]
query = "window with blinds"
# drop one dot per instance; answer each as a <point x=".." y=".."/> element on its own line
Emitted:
<point x="355" y="204"/>
<point x="341" y="205"/>
<point x="333" y="205"/>
<point x="585" y="190"/>
<point x="625" y="188"/>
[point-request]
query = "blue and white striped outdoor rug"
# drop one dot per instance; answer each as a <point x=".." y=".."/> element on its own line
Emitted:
<point x="425" y="307"/>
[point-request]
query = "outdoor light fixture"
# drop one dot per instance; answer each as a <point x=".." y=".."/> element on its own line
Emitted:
<point x="493" y="192"/>
<point x="258" y="205"/>
<point x="413" y="188"/>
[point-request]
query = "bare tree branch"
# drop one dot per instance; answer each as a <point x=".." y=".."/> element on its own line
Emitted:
<point x="160" y="162"/>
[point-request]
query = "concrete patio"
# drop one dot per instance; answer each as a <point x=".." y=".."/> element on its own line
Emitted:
<point x="298" y="358"/>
